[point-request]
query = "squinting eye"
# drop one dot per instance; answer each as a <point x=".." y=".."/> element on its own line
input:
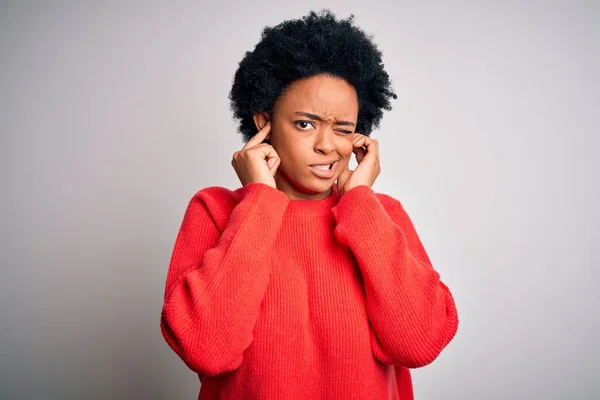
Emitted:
<point x="304" y="125"/>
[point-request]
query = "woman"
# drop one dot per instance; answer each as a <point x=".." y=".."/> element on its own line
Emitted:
<point x="304" y="283"/>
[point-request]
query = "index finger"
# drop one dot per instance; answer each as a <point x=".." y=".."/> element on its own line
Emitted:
<point x="259" y="137"/>
<point x="362" y="141"/>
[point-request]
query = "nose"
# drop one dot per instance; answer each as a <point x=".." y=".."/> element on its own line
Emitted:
<point x="324" y="141"/>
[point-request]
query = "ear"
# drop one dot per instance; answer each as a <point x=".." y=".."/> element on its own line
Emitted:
<point x="261" y="119"/>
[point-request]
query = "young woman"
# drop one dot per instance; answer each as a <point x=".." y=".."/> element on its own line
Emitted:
<point x="304" y="283"/>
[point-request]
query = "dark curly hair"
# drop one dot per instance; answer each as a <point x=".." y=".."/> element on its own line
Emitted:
<point x="315" y="44"/>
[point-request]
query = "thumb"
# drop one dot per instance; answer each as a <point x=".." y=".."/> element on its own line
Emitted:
<point x="341" y="180"/>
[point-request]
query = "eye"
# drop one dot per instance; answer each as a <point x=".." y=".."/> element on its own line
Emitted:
<point x="304" y="125"/>
<point x="345" y="132"/>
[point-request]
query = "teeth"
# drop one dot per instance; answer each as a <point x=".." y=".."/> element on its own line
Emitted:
<point x="323" y="167"/>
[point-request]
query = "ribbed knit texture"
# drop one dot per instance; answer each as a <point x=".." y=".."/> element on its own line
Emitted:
<point x="271" y="298"/>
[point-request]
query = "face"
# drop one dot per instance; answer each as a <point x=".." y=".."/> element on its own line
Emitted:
<point x="312" y="123"/>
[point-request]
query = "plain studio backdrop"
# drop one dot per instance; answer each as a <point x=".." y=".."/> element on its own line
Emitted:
<point x="113" y="114"/>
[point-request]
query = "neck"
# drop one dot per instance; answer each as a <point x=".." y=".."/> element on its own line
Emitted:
<point x="316" y="207"/>
<point x="295" y="193"/>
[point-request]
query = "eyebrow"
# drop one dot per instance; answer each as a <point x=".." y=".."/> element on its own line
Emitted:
<point x="319" y="118"/>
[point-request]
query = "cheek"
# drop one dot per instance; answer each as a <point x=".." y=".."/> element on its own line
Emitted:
<point x="344" y="147"/>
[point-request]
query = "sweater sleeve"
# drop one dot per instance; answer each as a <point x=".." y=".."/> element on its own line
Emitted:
<point x="216" y="281"/>
<point x="411" y="312"/>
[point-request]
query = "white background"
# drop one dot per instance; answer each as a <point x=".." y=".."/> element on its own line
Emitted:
<point x="114" y="113"/>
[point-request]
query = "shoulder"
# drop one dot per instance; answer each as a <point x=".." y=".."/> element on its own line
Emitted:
<point x="388" y="202"/>
<point x="218" y="202"/>
<point x="217" y="196"/>
<point x="394" y="208"/>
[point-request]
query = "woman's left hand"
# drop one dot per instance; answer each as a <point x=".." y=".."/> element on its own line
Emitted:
<point x="367" y="156"/>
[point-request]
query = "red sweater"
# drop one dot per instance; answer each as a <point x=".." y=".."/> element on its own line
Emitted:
<point x="272" y="298"/>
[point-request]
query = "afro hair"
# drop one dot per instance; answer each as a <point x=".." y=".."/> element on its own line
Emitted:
<point x="313" y="45"/>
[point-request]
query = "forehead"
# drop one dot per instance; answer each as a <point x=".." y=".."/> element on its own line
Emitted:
<point x="323" y="95"/>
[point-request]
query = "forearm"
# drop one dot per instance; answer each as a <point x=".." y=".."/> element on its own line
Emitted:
<point x="411" y="311"/>
<point x="209" y="312"/>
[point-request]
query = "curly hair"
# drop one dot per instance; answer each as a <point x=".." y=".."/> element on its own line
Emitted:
<point x="301" y="48"/>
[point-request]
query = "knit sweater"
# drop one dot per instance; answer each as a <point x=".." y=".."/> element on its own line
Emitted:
<point x="272" y="298"/>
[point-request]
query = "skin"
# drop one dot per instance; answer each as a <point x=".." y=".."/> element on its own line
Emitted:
<point x="312" y="122"/>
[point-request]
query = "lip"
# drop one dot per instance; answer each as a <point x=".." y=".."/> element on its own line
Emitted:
<point x="325" y="174"/>
<point x="324" y="163"/>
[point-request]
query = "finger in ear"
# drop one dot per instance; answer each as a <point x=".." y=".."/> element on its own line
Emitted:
<point x="261" y="119"/>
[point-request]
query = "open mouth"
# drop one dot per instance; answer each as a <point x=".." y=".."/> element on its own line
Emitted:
<point x="324" y="167"/>
<point x="325" y="171"/>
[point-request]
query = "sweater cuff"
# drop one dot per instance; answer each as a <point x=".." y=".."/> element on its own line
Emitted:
<point x="359" y="215"/>
<point x="274" y="197"/>
<point x="357" y="204"/>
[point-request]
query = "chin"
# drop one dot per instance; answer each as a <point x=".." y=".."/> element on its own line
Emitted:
<point x="308" y="184"/>
<point x="314" y="186"/>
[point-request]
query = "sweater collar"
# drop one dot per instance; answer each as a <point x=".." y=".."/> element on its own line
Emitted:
<point x="313" y="207"/>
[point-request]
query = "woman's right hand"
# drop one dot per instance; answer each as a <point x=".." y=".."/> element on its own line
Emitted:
<point x="257" y="161"/>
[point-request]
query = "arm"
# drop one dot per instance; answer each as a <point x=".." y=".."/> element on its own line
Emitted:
<point x="216" y="281"/>
<point x="412" y="313"/>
